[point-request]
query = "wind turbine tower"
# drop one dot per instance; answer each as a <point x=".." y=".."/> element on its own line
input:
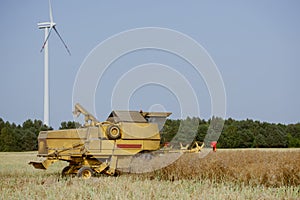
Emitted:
<point x="48" y="27"/>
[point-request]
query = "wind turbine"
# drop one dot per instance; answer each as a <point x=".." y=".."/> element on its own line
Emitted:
<point x="48" y="27"/>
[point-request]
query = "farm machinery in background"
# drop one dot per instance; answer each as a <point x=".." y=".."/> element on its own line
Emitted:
<point x="106" y="147"/>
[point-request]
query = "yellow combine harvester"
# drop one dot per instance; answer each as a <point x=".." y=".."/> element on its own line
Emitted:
<point x="104" y="147"/>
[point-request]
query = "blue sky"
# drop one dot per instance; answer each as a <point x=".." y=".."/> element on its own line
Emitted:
<point x="255" y="44"/>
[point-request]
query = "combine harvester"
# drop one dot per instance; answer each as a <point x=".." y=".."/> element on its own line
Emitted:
<point x="106" y="147"/>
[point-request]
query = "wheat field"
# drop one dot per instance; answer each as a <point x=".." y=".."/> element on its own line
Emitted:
<point x="226" y="174"/>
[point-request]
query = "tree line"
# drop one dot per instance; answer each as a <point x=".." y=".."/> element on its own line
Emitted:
<point x="234" y="133"/>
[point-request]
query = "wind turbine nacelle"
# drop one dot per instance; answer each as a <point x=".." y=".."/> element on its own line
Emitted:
<point x="46" y="25"/>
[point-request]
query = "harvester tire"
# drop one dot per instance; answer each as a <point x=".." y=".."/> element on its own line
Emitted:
<point x="113" y="132"/>
<point x="65" y="171"/>
<point x="85" y="172"/>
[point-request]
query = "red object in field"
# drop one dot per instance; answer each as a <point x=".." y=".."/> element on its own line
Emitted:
<point x="214" y="145"/>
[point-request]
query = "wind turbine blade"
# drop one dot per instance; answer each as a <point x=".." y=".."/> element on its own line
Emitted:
<point x="46" y="39"/>
<point x="62" y="40"/>
<point x="50" y="12"/>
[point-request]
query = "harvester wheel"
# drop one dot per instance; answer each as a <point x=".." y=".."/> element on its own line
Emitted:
<point x="113" y="132"/>
<point x="65" y="171"/>
<point x="85" y="172"/>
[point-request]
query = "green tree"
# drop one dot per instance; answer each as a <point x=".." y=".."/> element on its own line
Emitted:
<point x="246" y="138"/>
<point x="260" y="141"/>
<point x="7" y="139"/>
<point x="69" y="125"/>
<point x="202" y="131"/>
<point x="293" y="141"/>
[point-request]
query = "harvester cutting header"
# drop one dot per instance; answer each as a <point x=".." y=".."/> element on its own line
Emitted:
<point x="105" y="147"/>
